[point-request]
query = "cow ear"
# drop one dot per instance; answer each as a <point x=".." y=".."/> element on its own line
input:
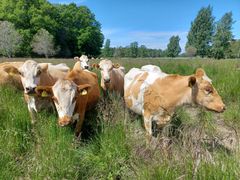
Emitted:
<point x="96" y="66"/>
<point x="200" y="73"/>
<point x="76" y="58"/>
<point x="192" y="81"/>
<point x="44" y="91"/>
<point x="83" y="89"/>
<point x="11" y="70"/>
<point x="44" y="67"/>
<point x="116" y="65"/>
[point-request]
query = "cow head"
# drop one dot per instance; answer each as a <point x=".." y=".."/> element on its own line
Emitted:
<point x="204" y="93"/>
<point x="84" y="61"/>
<point x="64" y="94"/>
<point x="106" y="67"/>
<point x="30" y="73"/>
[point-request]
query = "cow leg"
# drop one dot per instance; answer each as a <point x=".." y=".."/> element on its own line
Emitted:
<point x="148" y="126"/>
<point x="79" y="124"/>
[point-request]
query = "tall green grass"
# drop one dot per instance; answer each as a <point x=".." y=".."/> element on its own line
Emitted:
<point x="112" y="144"/>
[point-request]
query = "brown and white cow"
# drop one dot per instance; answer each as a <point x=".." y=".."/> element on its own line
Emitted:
<point x="77" y="93"/>
<point x="34" y="74"/>
<point x="11" y="78"/>
<point x="112" y="76"/>
<point x="82" y="62"/>
<point x="155" y="95"/>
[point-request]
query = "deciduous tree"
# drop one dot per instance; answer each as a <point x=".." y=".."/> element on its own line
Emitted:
<point x="173" y="47"/>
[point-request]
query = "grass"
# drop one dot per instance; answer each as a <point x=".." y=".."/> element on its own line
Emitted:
<point x="113" y="140"/>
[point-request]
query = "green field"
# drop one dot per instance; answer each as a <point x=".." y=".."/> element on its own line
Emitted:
<point x="196" y="145"/>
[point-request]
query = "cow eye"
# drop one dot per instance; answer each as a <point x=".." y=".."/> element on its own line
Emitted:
<point x="20" y="73"/>
<point x="55" y="99"/>
<point x="208" y="90"/>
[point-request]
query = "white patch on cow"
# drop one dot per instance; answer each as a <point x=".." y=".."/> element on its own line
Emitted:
<point x="206" y="78"/>
<point x="75" y="117"/>
<point x="151" y="68"/>
<point x="32" y="104"/>
<point x="137" y="104"/>
<point x="65" y="92"/>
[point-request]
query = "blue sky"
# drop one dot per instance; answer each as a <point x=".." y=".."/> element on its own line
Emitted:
<point x="153" y="22"/>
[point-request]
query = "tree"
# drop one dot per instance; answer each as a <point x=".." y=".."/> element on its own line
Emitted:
<point x="43" y="43"/>
<point x="106" y="49"/>
<point x="134" y="49"/>
<point x="235" y="48"/>
<point x="9" y="39"/>
<point x="200" y="34"/>
<point x="223" y="37"/>
<point x="173" y="47"/>
<point x="191" y="51"/>
<point x="142" y="51"/>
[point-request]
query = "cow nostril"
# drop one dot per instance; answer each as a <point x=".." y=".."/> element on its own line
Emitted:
<point x="224" y="108"/>
<point x="106" y="80"/>
<point x="86" y="67"/>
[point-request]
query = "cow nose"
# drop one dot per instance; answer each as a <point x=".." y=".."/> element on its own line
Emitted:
<point x="86" y="67"/>
<point x="106" y="80"/>
<point x="30" y="90"/>
<point x="66" y="120"/>
<point x="224" y="108"/>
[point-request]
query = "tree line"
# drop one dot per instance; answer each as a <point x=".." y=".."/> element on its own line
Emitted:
<point x="31" y="27"/>
<point x="206" y="38"/>
<point x="135" y="51"/>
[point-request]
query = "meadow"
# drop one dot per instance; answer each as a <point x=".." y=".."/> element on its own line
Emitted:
<point x="197" y="144"/>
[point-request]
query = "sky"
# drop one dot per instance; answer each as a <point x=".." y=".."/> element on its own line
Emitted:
<point x="153" y="22"/>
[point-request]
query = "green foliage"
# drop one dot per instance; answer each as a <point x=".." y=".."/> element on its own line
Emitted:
<point x="222" y="37"/>
<point x="200" y="34"/>
<point x="75" y="28"/>
<point x="9" y="39"/>
<point x="134" y="49"/>
<point x="191" y="51"/>
<point x="107" y="52"/>
<point x="173" y="48"/>
<point x="235" y="48"/>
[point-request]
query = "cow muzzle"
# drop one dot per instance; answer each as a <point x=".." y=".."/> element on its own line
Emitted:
<point x="66" y="120"/>
<point x="106" y="80"/>
<point x="30" y="90"/>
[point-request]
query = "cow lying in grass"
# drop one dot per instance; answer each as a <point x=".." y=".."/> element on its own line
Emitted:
<point x="77" y="93"/>
<point x="155" y="95"/>
<point x="34" y="74"/>
<point x="112" y="76"/>
<point x="7" y="77"/>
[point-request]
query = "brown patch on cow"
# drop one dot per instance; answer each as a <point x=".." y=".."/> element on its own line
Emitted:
<point x="139" y="80"/>
<point x="128" y="102"/>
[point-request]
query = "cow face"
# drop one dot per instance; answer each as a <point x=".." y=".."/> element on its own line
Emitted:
<point x="65" y="94"/>
<point x="106" y="67"/>
<point x="204" y="93"/>
<point x="84" y="61"/>
<point x="30" y="73"/>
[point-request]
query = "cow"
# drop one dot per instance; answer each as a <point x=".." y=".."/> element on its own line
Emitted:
<point x="34" y="74"/>
<point x="10" y="78"/>
<point x="112" y="76"/>
<point x="155" y="94"/>
<point x="77" y="93"/>
<point x="82" y="62"/>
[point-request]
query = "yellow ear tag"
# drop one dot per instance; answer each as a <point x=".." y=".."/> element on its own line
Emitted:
<point x="84" y="92"/>
<point x="44" y="94"/>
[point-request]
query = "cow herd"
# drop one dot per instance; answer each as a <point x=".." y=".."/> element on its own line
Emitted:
<point x="146" y="91"/>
